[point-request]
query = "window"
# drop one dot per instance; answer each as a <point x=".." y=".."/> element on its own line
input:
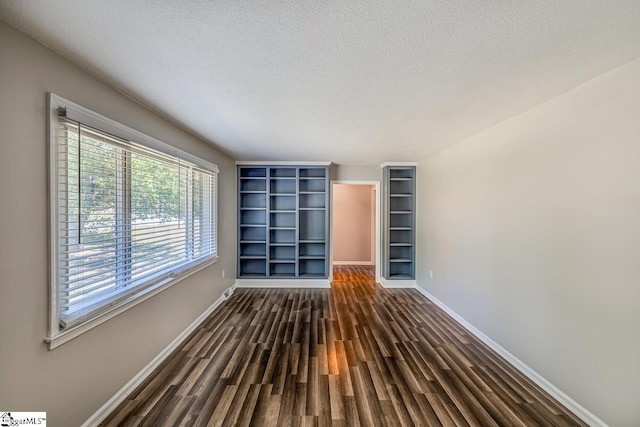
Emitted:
<point x="130" y="216"/>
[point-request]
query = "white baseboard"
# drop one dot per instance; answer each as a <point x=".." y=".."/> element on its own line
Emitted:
<point x="134" y="382"/>
<point x="389" y="284"/>
<point x="579" y="410"/>
<point x="283" y="283"/>
<point x="353" y="263"/>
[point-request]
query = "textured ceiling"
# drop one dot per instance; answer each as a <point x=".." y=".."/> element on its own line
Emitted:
<point x="349" y="81"/>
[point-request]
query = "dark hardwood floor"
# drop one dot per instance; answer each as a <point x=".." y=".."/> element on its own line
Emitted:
<point x="356" y="354"/>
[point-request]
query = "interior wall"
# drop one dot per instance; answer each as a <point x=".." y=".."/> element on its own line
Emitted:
<point x="355" y="173"/>
<point x="74" y="380"/>
<point x="352" y="229"/>
<point x="532" y="231"/>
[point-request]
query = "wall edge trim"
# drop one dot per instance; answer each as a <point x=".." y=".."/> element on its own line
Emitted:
<point x="397" y="284"/>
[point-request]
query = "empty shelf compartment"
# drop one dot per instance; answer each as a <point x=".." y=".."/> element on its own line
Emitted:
<point x="283" y="186"/>
<point x="401" y="236"/>
<point x="284" y="203"/>
<point x="313" y="172"/>
<point x="253" y="233"/>
<point x="280" y="269"/>
<point x="400" y="204"/>
<point x="253" y="185"/>
<point x="253" y="217"/>
<point x="282" y="253"/>
<point x="401" y="187"/>
<point x="253" y="249"/>
<point x="283" y="236"/>
<point x="283" y="219"/>
<point x="312" y="225"/>
<point x="401" y="270"/>
<point x="312" y="249"/>
<point x="401" y="253"/>
<point x="283" y="173"/>
<point x="400" y="220"/>
<point x="312" y="185"/>
<point x="312" y="200"/>
<point x="312" y="268"/>
<point x="253" y="172"/>
<point x="400" y="173"/>
<point x="253" y="200"/>
<point x="253" y="268"/>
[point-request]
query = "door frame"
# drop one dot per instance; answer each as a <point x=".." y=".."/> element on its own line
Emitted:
<point x="378" y="243"/>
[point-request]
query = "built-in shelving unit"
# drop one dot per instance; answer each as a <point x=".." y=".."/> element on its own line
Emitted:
<point x="283" y="222"/>
<point x="399" y="222"/>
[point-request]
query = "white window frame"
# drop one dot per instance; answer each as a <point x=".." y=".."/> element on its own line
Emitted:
<point x="57" y="337"/>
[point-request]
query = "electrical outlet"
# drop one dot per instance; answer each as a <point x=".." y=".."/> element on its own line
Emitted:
<point x="431" y="274"/>
<point x="227" y="293"/>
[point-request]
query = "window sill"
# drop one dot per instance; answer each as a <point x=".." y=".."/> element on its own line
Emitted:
<point x="69" y="334"/>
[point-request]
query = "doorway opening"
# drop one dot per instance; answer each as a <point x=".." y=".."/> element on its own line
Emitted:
<point x="355" y="228"/>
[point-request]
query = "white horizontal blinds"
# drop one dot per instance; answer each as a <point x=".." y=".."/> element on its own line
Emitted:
<point x="204" y="231"/>
<point x="159" y="194"/>
<point x="129" y="217"/>
<point x="89" y="223"/>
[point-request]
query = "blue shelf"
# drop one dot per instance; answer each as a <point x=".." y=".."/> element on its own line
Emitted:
<point x="283" y="221"/>
<point x="399" y="223"/>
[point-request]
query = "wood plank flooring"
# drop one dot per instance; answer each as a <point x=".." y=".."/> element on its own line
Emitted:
<point x="356" y="354"/>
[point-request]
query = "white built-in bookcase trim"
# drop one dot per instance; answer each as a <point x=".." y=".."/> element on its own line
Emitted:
<point x="397" y="164"/>
<point x="285" y="163"/>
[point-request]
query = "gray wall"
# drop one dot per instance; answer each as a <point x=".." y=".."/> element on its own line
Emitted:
<point x="74" y="380"/>
<point x="532" y="230"/>
<point x="355" y="173"/>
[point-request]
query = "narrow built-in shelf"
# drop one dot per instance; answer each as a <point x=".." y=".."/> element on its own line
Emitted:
<point x="282" y="244"/>
<point x="311" y="241"/>
<point x="252" y="209"/>
<point x="313" y="209"/>
<point x="311" y="192"/>
<point x="252" y="192"/>
<point x="399" y="250"/>
<point x="283" y="194"/>
<point x="282" y="177"/>
<point x="282" y="228"/>
<point x="253" y="225"/>
<point x="252" y="257"/>
<point x="282" y="261"/>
